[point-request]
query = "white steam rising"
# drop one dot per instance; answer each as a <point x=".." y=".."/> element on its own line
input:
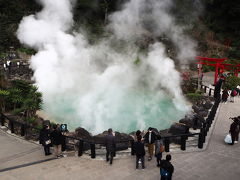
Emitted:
<point x="100" y="86"/>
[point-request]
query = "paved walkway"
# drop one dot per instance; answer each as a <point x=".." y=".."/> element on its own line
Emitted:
<point x="217" y="162"/>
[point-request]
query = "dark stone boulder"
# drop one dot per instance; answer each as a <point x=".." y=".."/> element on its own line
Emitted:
<point x="188" y="120"/>
<point x="194" y="121"/>
<point x="208" y="104"/>
<point x="155" y="131"/>
<point x="164" y="132"/>
<point x="178" y="128"/>
<point x="203" y="113"/>
<point x="83" y="134"/>
<point x="197" y="108"/>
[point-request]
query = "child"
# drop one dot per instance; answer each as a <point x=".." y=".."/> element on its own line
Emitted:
<point x="140" y="151"/>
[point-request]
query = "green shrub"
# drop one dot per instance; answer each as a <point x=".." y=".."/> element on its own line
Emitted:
<point x="17" y="111"/>
<point x="30" y="120"/>
<point x="39" y="127"/>
<point x="194" y="96"/>
<point x="231" y="82"/>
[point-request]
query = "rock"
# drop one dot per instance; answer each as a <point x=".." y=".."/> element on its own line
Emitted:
<point x="197" y="108"/>
<point x="193" y="121"/>
<point x="164" y="132"/>
<point x="155" y="131"/>
<point x="83" y="134"/>
<point x="208" y="104"/>
<point x="178" y="128"/>
<point x="203" y="113"/>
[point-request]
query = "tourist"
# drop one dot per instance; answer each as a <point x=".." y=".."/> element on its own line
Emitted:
<point x="225" y="96"/>
<point x="44" y="139"/>
<point x="159" y="149"/>
<point x="56" y="137"/>
<point x="110" y="145"/>
<point x="140" y="151"/>
<point x="166" y="168"/>
<point x="233" y="93"/>
<point x="238" y="90"/>
<point x="234" y="130"/>
<point x="150" y="138"/>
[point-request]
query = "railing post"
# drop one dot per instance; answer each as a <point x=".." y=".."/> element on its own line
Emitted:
<point x="167" y="142"/>
<point x="11" y="126"/>
<point x="195" y="123"/>
<point x="183" y="142"/>
<point x="200" y="141"/>
<point x="2" y="120"/>
<point x="132" y="147"/>
<point x="93" y="151"/>
<point x="22" y="130"/>
<point x="210" y="91"/>
<point x="202" y="131"/>
<point x="205" y="89"/>
<point x="80" y="147"/>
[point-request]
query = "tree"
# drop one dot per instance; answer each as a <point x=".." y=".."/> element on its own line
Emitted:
<point x="33" y="102"/>
<point x="3" y="97"/>
<point x="232" y="82"/>
<point x="15" y="97"/>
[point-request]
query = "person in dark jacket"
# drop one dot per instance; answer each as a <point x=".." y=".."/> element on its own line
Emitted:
<point x="150" y="138"/>
<point x="234" y="130"/>
<point x="140" y="151"/>
<point x="225" y="95"/>
<point x="56" y="137"/>
<point x="166" y="168"/>
<point x="110" y="145"/>
<point x="44" y="139"/>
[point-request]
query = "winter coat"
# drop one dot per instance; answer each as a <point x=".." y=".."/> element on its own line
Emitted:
<point x="139" y="148"/>
<point x="158" y="144"/>
<point x="44" y="136"/>
<point x="234" y="128"/>
<point x="56" y="137"/>
<point x="153" y="137"/>
<point x="110" y="143"/>
<point x="166" y="165"/>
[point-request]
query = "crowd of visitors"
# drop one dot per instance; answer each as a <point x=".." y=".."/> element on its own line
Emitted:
<point x="52" y="137"/>
<point x="152" y="141"/>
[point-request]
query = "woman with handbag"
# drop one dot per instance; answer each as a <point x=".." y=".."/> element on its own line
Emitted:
<point x="159" y="149"/>
<point x="44" y="139"/>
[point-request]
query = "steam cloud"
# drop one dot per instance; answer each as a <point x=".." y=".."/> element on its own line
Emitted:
<point x="100" y="85"/>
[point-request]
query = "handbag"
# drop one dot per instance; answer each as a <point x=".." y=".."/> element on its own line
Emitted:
<point x="162" y="149"/>
<point x="48" y="142"/>
<point x="228" y="139"/>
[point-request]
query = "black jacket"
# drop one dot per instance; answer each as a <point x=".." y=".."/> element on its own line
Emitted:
<point x="139" y="149"/>
<point x="56" y="137"/>
<point x="153" y="137"/>
<point x="110" y="143"/>
<point x="168" y="167"/>
<point x="44" y="136"/>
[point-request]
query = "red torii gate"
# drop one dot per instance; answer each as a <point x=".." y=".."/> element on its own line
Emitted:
<point x="218" y="64"/>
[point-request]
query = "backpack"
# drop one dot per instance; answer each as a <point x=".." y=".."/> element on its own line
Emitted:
<point x="234" y="93"/>
<point x="164" y="173"/>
